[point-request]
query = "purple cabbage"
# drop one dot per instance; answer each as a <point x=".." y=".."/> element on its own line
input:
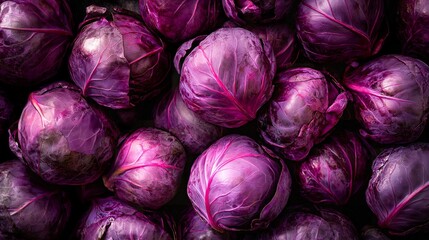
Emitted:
<point x="29" y="207"/>
<point x="116" y="60"/>
<point x="305" y="223"/>
<point x="373" y="233"/>
<point x="62" y="138"/>
<point x="194" y="133"/>
<point x="340" y="30"/>
<point x="398" y="189"/>
<point x="227" y="77"/>
<point x="335" y="170"/>
<point x="179" y="21"/>
<point x="413" y="32"/>
<point x="256" y="11"/>
<point x="111" y="219"/>
<point x="236" y="185"/>
<point x="148" y="168"/>
<point x="391" y="98"/>
<point x="193" y="227"/>
<point x="304" y="108"/>
<point x="282" y="39"/>
<point x="34" y="37"/>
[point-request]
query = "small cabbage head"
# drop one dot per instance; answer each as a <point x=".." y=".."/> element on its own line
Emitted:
<point x="179" y="21"/>
<point x="256" y="11"/>
<point x="413" y="31"/>
<point x="62" y="138"/>
<point x="303" y="223"/>
<point x="341" y="31"/>
<point x="335" y="170"/>
<point x="116" y="60"/>
<point x="227" y="77"/>
<point x="148" y="168"/>
<point x="29" y="207"/>
<point x="399" y="188"/>
<point x="34" y="39"/>
<point x="235" y="185"/>
<point x="112" y="219"/>
<point x="174" y="116"/>
<point x="391" y="98"/>
<point x="304" y="109"/>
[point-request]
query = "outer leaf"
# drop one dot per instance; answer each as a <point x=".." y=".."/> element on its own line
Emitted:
<point x="222" y="186"/>
<point x="340" y="30"/>
<point x="399" y="188"/>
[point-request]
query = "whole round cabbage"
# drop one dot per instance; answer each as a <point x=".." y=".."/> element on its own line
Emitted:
<point x="413" y="32"/>
<point x="339" y="30"/>
<point x="111" y="219"/>
<point x="256" y="11"/>
<point x="148" y="168"/>
<point x="178" y="21"/>
<point x="399" y="188"/>
<point x="282" y="39"/>
<point x="307" y="223"/>
<point x="62" y="138"/>
<point x="227" y="77"/>
<point x="236" y="185"/>
<point x="175" y="117"/>
<point x="34" y="37"/>
<point x="304" y="108"/>
<point x="391" y="98"/>
<point x="116" y="60"/>
<point x="193" y="227"/>
<point x="29" y="207"/>
<point x="335" y="170"/>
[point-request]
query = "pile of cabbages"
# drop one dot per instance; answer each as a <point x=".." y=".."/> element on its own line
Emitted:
<point x="214" y="119"/>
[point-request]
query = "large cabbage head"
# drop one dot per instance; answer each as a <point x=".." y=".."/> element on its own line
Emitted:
<point x="335" y="170"/>
<point x="148" y="168"/>
<point x="111" y="219"/>
<point x="179" y="21"/>
<point x="227" y="77"/>
<point x="116" y="60"/>
<point x="34" y="37"/>
<point x="309" y="223"/>
<point x="281" y="37"/>
<point x="235" y="185"/>
<point x="413" y="31"/>
<point x="304" y="108"/>
<point x="192" y="226"/>
<point x="29" y="207"/>
<point x="339" y="30"/>
<point x="256" y="11"/>
<point x="399" y="188"/>
<point x="174" y="116"/>
<point x="391" y="98"/>
<point x="62" y="138"/>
